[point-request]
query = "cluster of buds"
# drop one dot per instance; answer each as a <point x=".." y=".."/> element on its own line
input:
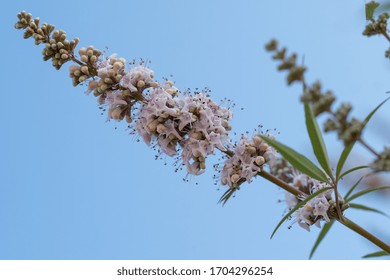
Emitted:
<point x="248" y="159"/>
<point x="321" y="102"/>
<point x="32" y="29"/>
<point x="378" y="26"/>
<point x="90" y="57"/>
<point x="320" y="208"/>
<point x="110" y="72"/>
<point x="287" y="63"/>
<point x="57" y="48"/>
<point x="382" y="163"/>
<point x="348" y="130"/>
<point x="193" y="122"/>
<point x="139" y="78"/>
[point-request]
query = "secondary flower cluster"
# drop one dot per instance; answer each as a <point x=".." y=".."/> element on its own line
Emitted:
<point x="249" y="156"/>
<point x="316" y="209"/>
<point x="192" y="122"/>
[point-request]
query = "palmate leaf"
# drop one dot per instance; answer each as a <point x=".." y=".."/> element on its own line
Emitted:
<point x="367" y="191"/>
<point x="325" y="229"/>
<point x="316" y="139"/>
<point x="376" y="254"/>
<point x="352" y="188"/>
<point x="343" y="157"/>
<point x="299" y="205"/>
<point x="366" y="208"/>
<point x="297" y="160"/>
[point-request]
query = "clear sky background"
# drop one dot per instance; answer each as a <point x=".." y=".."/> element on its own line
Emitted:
<point x="74" y="187"/>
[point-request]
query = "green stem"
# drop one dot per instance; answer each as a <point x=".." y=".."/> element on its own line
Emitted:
<point x="361" y="141"/>
<point x="281" y="184"/>
<point x="356" y="228"/>
<point x="346" y="222"/>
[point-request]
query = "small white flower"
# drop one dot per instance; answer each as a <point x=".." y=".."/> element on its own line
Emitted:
<point x="138" y="77"/>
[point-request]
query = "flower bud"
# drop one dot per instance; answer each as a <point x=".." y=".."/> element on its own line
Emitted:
<point x="259" y="160"/>
<point x="154" y="84"/>
<point x="84" y="58"/>
<point x="235" y="178"/>
<point x="140" y="84"/>
<point x="160" y="128"/>
<point x="85" y="70"/>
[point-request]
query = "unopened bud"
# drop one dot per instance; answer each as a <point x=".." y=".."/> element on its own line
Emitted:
<point x="108" y="81"/>
<point x="154" y="84"/>
<point x="160" y="128"/>
<point x="263" y="147"/>
<point x="128" y="119"/>
<point x="257" y="141"/>
<point x="140" y="84"/>
<point x="84" y="58"/>
<point x="83" y="51"/>
<point x="251" y="150"/>
<point x="235" y="178"/>
<point x="259" y="160"/>
<point x="85" y="70"/>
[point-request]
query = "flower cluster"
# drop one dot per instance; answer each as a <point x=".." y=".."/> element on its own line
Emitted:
<point x="378" y="26"/>
<point x="138" y="78"/>
<point x="382" y="163"/>
<point x="58" y="48"/>
<point x="316" y="209"/>
<point x="248" y="159"/>
<point x="192" y="122"/>
<point x="80" y="73"/>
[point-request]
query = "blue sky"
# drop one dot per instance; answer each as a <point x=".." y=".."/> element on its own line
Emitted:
<point x="74" y="187"/>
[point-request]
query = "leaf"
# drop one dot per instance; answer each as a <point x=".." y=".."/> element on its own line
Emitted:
<point x="376" y="254"/>
<point x="352" y="188"/>
<point x="321" y="236"/>
<point x="297" y="160"/>
<point x="367" y="191"/>
<point x="370" y="9"/>
<point x="343" y="157"/>
<point x="366" y="120"/>
<point x="366" y="208"/>
<point x="225" y="197"/>
<point x="352" y="170"/>
<point x="317" y="141"/>
<point x="299" y="205"/>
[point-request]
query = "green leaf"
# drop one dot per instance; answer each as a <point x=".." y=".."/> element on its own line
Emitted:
<point x="367" y="191"/>
<point x="317" y="141"/>
<point x="321" y="236"/>
<point x="376" y="254"/>
<point x="225" y="197"/>
<point x="366" y="208"/>
<point x="343" y="157"/>
<point x="352" y="170"/>
<point x="370" y="9"/>
<point x="297" y="160"/>
<point x="299" y="205"/>
<point x="366" y="120"/>
<point x="352" y="188"/>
